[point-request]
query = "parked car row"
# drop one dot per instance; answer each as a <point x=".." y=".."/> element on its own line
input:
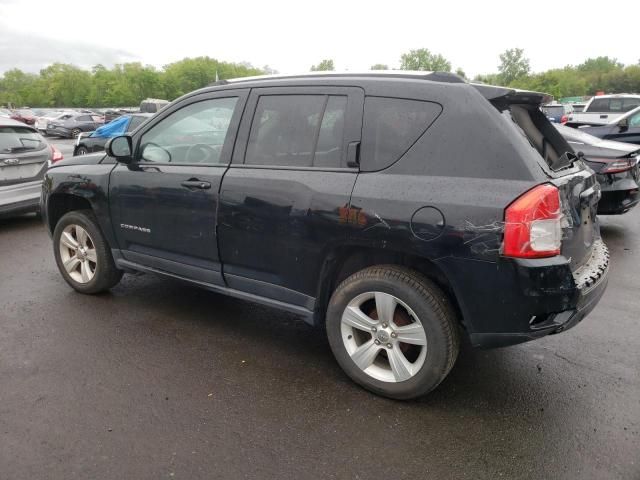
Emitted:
<point x="95" y="141"/>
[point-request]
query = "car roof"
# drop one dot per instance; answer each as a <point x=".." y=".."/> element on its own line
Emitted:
<point x="8" y="122"/>
<point x="617" y="95"/>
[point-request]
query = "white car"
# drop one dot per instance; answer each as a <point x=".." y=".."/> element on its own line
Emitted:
<point x="605" y="109"/>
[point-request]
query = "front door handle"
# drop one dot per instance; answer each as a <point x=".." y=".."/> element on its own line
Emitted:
<point x="194" y="184"/>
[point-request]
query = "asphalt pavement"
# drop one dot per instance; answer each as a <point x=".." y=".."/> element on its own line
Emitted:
<point x="158" y="379"/>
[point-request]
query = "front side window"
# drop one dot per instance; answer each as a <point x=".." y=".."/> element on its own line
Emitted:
<point x="194" y="134"/>
<point x="634" y="121"/>
<point x="297" y="131"/>
<point x="599" y="105"/>
<point x="135" y="122"/>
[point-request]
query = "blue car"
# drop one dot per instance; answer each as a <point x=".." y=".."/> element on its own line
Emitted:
<point x="95" y="141"/>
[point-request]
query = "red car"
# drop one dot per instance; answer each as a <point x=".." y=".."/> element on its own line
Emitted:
<point x="24" y="115"/>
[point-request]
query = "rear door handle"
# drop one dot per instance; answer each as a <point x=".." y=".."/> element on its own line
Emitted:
<point x="195" y="184"/>
<point x="604" y="116"/>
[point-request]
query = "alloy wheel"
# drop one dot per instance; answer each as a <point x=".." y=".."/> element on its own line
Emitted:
<point x="384" y="337"/>
<point x="78" y="253"/>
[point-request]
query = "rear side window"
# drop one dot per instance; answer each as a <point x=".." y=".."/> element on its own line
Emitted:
<point x="297" y="131"/>
<point x="391" y="126"/>
<point x="630" y="103"/>
<point x="84" y="118"/>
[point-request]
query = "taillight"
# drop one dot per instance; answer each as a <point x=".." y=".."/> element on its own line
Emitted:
<point x="617" y="166"/>
<point x="564" y="119"/>
<point x="533" y="224"/>
<point x="56" y="155"/>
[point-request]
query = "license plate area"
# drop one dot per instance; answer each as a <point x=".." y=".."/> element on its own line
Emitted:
<point x="19" y="172"/>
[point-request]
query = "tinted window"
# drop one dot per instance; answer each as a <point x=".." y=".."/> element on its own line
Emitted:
<point x="630" y="103"/>
<point x="135" y="122"/>
<point x="194" y="134"/>
<point x="297" y="130"/>
<point x="615" y="105"/>
<point x="20" y="139"/>
<point x="599" y="105"/>
<point x="391" y="126"/>
<point x="84" y="118"/>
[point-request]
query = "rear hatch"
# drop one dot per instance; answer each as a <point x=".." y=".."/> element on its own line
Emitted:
<point x="23" y="155"/>
<point x="577" y="184"/>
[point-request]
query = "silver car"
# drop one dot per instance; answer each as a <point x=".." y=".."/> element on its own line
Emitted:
<point x="24" y="157"/>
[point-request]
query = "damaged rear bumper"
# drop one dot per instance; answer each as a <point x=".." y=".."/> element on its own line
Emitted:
<point x="540" y="297"/>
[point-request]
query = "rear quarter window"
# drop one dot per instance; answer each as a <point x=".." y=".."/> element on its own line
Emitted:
<point x="391" y="126"/>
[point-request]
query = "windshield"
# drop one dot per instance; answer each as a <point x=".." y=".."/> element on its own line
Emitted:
<point x="555" y="110"/>
<point x="26" y="113"/>
<point x="20" y="139"/>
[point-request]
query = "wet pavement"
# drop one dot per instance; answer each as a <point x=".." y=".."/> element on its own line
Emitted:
<point x="162" y="380"/>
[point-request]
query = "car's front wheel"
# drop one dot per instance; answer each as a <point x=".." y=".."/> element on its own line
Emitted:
<point x="81" y="151"/>
<point x="392" y="331"/>
<point x="82" y="253"/>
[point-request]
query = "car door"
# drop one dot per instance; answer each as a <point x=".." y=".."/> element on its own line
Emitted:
<point x="284" y="200"/>
<point x="164" y="203"/>
<point x="629" y="133"/>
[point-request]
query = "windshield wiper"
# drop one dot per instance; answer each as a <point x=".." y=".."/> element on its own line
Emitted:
<point x="19" y="149"/>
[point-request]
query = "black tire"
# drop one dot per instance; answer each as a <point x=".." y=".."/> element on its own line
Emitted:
<point x="106" y="274"/>
<point x="431" y="306"/>
<point x="75" y="132"/>
<point x="81" y="151"/>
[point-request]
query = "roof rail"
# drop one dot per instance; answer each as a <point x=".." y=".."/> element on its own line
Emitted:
<point x="445" y="77"/>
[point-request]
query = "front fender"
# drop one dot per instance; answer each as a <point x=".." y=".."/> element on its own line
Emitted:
<point x="69" y="186"/>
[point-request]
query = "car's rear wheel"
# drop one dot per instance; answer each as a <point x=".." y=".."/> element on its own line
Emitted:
<point x="75" y="132"/>
<point x="393" y="331"/>
<point x="81" y="151"/>
<point x="82" y="254"/>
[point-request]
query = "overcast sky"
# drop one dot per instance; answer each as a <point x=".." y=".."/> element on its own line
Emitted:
<point x="290" y="36"/>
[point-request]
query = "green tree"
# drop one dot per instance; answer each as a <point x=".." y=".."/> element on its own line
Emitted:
<point x="513" y="65"/>
<point x="379" y="66"/>
<point x="324" y="66"/>
<point x="460" y="72"/>
<point x="423" y="59"/>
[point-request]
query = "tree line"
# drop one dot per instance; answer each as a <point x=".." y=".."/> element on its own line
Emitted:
<point x="64" y="85"/>
<point x="600" y="74"/>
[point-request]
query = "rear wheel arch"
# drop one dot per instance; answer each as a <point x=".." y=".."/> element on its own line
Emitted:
<point x="341" y="263"/>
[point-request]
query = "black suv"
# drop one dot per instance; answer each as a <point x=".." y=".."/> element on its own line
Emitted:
<point x="399" y="211"/>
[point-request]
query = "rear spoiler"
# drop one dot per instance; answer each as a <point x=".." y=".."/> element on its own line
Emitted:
<point x="505" y="95"/>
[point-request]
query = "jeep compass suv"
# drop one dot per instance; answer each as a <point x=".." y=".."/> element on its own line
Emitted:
<point x="401" y="212"/>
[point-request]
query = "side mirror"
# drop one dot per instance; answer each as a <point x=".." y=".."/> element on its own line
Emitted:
<point x="624" y="123"/>
<point x="120" y="149"/>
